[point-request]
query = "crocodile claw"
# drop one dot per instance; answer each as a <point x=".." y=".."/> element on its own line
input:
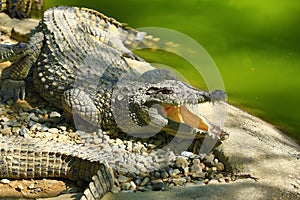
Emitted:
<point x="12" y="89"/>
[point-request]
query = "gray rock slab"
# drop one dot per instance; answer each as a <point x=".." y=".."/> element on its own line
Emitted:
<point x="16" y="28"/>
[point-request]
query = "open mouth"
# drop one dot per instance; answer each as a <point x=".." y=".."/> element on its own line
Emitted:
<point x="181" y="114"/>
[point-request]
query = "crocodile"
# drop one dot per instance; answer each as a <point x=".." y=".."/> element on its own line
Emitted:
<point x="21" y="8"/>
<point x="81" y="63"/>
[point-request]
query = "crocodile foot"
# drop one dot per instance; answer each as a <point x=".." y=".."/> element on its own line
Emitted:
<point x="12" y="89"/>
<point x="16" y="13"/>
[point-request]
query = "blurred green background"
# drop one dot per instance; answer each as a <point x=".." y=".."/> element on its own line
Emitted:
<point x="255" y="44"/>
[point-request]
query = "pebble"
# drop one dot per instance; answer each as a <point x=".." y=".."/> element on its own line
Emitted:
<point x="31" y="186"/>
<point x="5" y="181"/>
<point x="132" y="186"/>
<point x="19" y="187"/>
<point x="209" y="160"/>
<point x="53" y="130"/>
<point x="179" y="181"/>
<point x="175" y="172"/>
<point x="54" y="114"/>
<point x="115" y="190"/>
<point x="123" y="179"/>
<point x="145" y="181"/>
<point x="220" y="166"/>
<point x="125" y="186"/>
<point x="6" y="131"/>
<point x="159" y="186"/>
<point x="164" y="174"/>
<point x="181" y="162"/>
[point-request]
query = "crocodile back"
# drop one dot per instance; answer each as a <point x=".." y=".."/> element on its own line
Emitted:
<point x="82" y="49"/>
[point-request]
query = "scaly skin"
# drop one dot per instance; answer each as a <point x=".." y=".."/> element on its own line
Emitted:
<point x="21" y="158"/>
<point x="80" y="59"/>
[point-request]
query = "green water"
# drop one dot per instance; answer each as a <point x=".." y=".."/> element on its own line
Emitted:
<point x="255" y="44"/>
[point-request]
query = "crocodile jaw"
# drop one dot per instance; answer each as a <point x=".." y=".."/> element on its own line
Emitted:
<point x="182" y="115"/>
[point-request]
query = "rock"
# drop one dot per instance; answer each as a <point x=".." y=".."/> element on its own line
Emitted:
<point x="187" y="154"/>
<point x="181" y="162"/>
<point x="53" y="130"/>
<point x="31" y="186"/>
<point x="19" y="187"/>
<point x="159" y="186"/>
<point x="198" y="175"/>
<point x="132" y="186"/>
<point x="54" y="114"/>
<point x="115" y="190"/>
<point x="63" y="138"/>
<point x="145" y="181"/>
<point x="6" y="131"/>
<point x="164" y="174"/>
<point x="175" y="172"/>
<point x="123" y="179"/>
<point x="220" y="166"/>
<point x="196" y="166"/>
<point x="208" y="160"/>
<point x="24" y="132"/>
<point x="179" y="181"/>
<point x="125" y="186"/>
<point x="5" y="181"/>
<point x="156" y="174"/>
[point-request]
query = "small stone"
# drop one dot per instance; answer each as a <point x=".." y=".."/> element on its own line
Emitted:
<point x="125" y="186"/>
<point x="54" y="114"/>
<point x="164" y="174"/>
<point x="132" y="186"/>
<point x="123" y="179"/>
<point x="5" y="181"/>
<point x="44" y="128"/>
<point x="159" y="186"/>
<point x="115" y="190"/>
<point x="31" y="186"/>
<point x="175" y="172"/>
<point x="145" y="181"/>
<point x="19" y="187"/>
<point x="187" y="154"/>
<point x="129" y="146"/>
<point x="6" y="131"/>
<point x="24" y="132"/>
<point x="15" y="130"/>
<point x="63" y="128"/>
<point x="196" y="166"/>
<point x="53" y="130"/>
<point x="62" y="138"/>
<point x="181" y="162"/>
<point x="209" y="160"/>
<point x="220" y="166"/>
<point x="156" y="174"/>
<point x="119" y="141"/>
<point x="4" y="119"/>
<point x="147" y="188"/>
<point x="214" y="169"/>
<point x="179" y="181"/>
<point x="213" y="181"/>
<point x="198" y="175"/>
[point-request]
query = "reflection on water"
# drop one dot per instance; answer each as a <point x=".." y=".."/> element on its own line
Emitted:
<point x="255" y="44"/>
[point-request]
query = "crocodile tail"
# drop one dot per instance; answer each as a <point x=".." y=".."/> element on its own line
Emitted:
<point x="131" y="38"/>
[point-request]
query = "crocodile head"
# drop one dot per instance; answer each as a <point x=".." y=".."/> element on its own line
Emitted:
<point x="159" y="102"/>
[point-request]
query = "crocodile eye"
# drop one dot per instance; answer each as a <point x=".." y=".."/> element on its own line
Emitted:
<point x="156" y="90"/>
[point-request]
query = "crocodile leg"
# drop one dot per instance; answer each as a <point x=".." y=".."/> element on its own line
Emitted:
<point x="25" y="56"/>
<point x="77" y="102"/>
